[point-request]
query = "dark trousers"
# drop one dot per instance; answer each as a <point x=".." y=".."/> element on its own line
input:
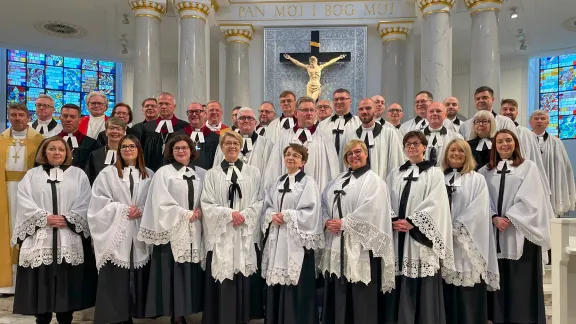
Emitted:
<point x="63" y="318"/>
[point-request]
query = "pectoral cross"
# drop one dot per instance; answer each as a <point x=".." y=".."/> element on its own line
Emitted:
<point x="15" y="157"/>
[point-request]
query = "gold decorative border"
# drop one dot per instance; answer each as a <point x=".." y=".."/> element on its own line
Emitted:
<point x="471" y="3"/>
<point x="393" y="39"/>
<point x="479" y="10"/>
<point x="238" y="33"/>
<point x="448" y="3"/>
<point x="193" y="16"/>
<point x="148" y="5"/>
<point x="436" y="11"/>
<point x="240" y="42"/>
<point x="394" y="31"/>
<point x="195" y="6"/>
<point x="238" y="25"/>
<point x="215" y="5"/>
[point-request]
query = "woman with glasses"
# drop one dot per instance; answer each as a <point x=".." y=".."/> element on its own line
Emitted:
<point x="55" y="274"/>
<point x="422" y="234"/>
<point x="124" y="112"/>
<point x="481" y="134"/>
<point x="106" y="155"/>
<point x="358" y="259"/>
<point x="520" y="212"/>
<point x="293" y="230"/>
<point x="171" y="224"/>
<point x="232" y="203"/>
<point x="118" y="197"/>
<point x="476" y="266"/>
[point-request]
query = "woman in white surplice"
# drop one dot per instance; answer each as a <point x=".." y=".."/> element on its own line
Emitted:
<point x="232" y="204"/>
<point x="55" y="274"/>
<point x="293" y="230"/>
<point x="118" y="197"/>
<point x="358" y="260"/>
<point x="465" y="290"/>
<point x="171" y="224"/>
<point x="520" y="211"/>
<point x="423" y="236"/>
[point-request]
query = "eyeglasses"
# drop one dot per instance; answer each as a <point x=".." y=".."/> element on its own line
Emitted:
<point x="234" y="144"/>
<point x="121" y="113"/>
<point x="306" y="111"/>
<point x="294" y="155"/>
<point x="340" y="99"/>
<point x="412" y="144"/>
<point x="96" y="104"/>
<point x="130" y="147"/>
<point x="354" y="153"/>
<point x="323" y="107"/>
<point x="394" y="111"/>
<point x="194" y="112"/>
<point x="481" y="122"/>
<point x="43" y="106"/>
<point x="246" y="118"/>
<point x="181" y="148"/>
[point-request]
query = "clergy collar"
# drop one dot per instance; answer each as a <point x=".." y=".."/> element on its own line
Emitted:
<point x="253" y="136"/>
<point x="377" y="130"/>
<point x="360" y="171"/>
<point x="99" y="117"/>
<point x="347" y="117"/>
<point x="48" y="167"/>
<point x="428" y="130"/>
<point x="422" y="166"/>
<point x="173" y="119"/>
<point x="177" y="165"/>
<point x="493" y="113"/>
<point x="450" y="170"/>
<point x="298" y="177"/>
<point x="455" y="121"/>
<point x="51" y="123"/>
<point x="19" y="133"/>
<point x="312" y="128"/>
<point x="77" y="133"/>
<point x="398" y="126"/>
<point x="515" y="123"/>
<point x="418" y="119"/>
<point x="284" y="116"/>
<point x="225" y="164"/>
<point x="382" y="121"/>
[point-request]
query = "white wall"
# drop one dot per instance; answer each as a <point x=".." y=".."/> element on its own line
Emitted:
<point x="169" y="82"/>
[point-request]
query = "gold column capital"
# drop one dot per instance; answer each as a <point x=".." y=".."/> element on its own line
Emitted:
<point x="476" y="6"/>
<point x="193" y="9"/>
<point x="434" y="6"/>
<point x="237" y="33"/>
<point x="391" y="30"/>
<point x="148" y="8"/>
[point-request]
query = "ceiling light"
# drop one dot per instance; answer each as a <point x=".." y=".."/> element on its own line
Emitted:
<point x="513" y="13"/>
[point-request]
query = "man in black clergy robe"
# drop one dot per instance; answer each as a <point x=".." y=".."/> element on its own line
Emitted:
<point x="80" y="144"/>
<point x="206" y="140"/>
<point x="150" y="110"/>
<point x="106" y="155"/>
<point x="157" y="133"/>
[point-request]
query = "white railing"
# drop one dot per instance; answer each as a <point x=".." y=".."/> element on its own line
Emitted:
<point x="563" y="233"/>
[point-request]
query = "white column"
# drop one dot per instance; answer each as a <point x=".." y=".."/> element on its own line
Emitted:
<point x="147" y="62"/>
<point x="238" y="39"/>
<point x="436" y="49"/>
<point x="192" y="71"/>
<point x="485" y="49"/>
<point x="393" y="35"/>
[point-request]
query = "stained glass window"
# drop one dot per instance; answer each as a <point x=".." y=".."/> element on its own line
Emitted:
<point x="558" y="94"/>
<point x="66" y="79"/>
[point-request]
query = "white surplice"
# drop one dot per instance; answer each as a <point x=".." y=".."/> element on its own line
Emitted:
<point x="257" y="155"/>
<point x="474" y="246"/>
<point x="366" y="226"/>
<point x="303" y="227"/>
<point x="35" y="204"/>
<point x="531" y="150"/>
<point x="524" y="203"/>
<point x="113" y="233"/>
<point x="276" y="126"/>
<point x="443" y="137"/>
<point x="232" y="247"/>
<point x="43" y="125"/>
<point x="427" y="207"/>
<point x="95" y="126"/>
<point x="502" y="122"/>
<point x="166" y="214"/>
<point x="335" y="123"/>
<point x="418" y="123"/>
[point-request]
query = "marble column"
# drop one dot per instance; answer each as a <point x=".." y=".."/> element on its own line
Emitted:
<point x="436" y="49"/>
<point x="192" y="65"/>
<point x="485" y="49"/>
<point x="147" y="62"/>
<point x="393" y="35"/>
<point x="237" y="87"/>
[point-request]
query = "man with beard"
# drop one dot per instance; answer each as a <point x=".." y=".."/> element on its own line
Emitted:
<point x="452" y="108"/>
<point x="323" y="109"/>
<point x="484" y="98"/>
<point x="255" y="148"/>
<point x="18" y="145"/>
<point x="286" y="120"/>
<point x="92" y="125"/>
<point x="385" y="151"/>
<point x="151" y="112"/>
<point x="206" y="140"/>
<point x="45" y="124"/>
<point x="214" y="121"/>
<point x="158" y="132"/>
<point x="342" y="122"/>
<point x="436" y="133"/>
<point x="266" y="115"/>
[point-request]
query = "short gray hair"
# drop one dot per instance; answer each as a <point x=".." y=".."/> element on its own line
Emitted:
<point x="96" y="94"/>
<point x="539" y="112"/>
<point x="45" y="96"/>
<point x="304" y="99"/>
<point x="243" y="109"/>
<point x="487" y="115"/>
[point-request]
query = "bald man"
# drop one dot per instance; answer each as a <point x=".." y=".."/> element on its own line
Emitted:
<point x="394" y="115"/>
<point x="452" y="108"/>
<point x="437" y="134"/>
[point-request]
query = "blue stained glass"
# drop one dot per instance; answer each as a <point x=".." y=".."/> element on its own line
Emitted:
<point x="35" y="76"/>
<point x="54" y="78"/>
<point x="548" y="62"/>
<point x="58" y="97"/>
<point x="89" y="81"/>
<point x="16" y="94"/>
<point x="16" y="74"/>
<point x="567" y="126"/>
<point x="111" y="101"/>
<point x="31" y="97"/>
<point x="548" y="80"/>
<point x="72" y="79"/>
<point x="109" y="67"/>
<point x="85" y="111"/>
<point x="567" y="102"/>
<point x="567" y="78"/>
<point x="105" y="82"/>
<point x="17" y="56"/>
<point x="72" y="98"/>
<point x="74" y="63"/>
<point x="36" y="58"/>
<point x="90" y="65"/>
<point x="54" y="60"/>
<point x="567" y="60"/>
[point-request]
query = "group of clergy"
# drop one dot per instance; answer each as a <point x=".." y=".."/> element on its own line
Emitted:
<point x="171" y="218"/>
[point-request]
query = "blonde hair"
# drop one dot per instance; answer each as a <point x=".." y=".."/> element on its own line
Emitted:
<point x="469" y="161"/>
<point x="487" y="115"/>
<point x="234" y="135"/>
<point x="349" y="147"/>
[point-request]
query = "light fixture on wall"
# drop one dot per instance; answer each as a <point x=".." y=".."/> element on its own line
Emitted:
<point x="125" y="21"/>
<point x="124" y="44"/>
<point x="523" y="46"/>
<point x="513" y="13"/>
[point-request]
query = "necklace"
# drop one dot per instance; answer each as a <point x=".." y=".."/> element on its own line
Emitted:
<point x="17" y="149"/>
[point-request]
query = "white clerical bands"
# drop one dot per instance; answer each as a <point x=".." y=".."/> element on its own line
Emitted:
<point x="197" y="136"/>
<point x="414" y="170"/>
<point x="248" y="144"/>
<point x="110" y="157"/>
<point x="135" y="174"/>
<point x="56" y="174"/>
<point x="484" y="141"/>
<point x="370" y="137"/>
<point x="306" y="132"/>
<point x="73" y="139"/>
<point x="339" y="123"/>
<point x="42" y="128"/>
<point x="457" y="179"/>
<point x="168" y="124"/>
<point x="233" y="169"/>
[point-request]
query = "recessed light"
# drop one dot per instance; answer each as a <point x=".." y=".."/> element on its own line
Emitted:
<point x="513" y="13"/>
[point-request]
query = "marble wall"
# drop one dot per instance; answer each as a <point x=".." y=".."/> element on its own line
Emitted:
<point x="286" y="76"/>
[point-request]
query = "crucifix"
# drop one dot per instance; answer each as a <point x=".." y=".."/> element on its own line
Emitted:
<point x="314" y="87"/>
<point x="16" y="156"/>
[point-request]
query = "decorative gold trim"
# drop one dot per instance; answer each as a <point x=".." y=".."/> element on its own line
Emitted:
<point x="381" y="22"/>
<point x="470" y="6"/>
<point x="148" y="15"/>
<point x="15" y="175"/>
<point x="392" y="39"/>
<point x="393" y="33"/>
<point x="194" y="6"/>
<point x="449" y="3"/>
<point x="436" y="11"/>
<point x="215" y="5"/>
<point x="479" y="10"/>
<point x="193" y="16"/>
<point x="239" y="41"/>
<point x="148" y="5"/>
<point x="238" y="25"/>
<point x="238" y="33"/>
<point x="315" y="44"/>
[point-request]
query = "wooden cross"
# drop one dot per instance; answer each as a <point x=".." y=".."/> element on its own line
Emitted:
<point x="315" y="51"/>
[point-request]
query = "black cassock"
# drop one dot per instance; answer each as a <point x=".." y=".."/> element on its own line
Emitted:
<point x="103" y="139"/>
<point x="206" y="145"/>
<point x="86" y="145"/>
<point x="481" y="156"/>
<point x="153" y="142"/>
<point x="97" y="162"/>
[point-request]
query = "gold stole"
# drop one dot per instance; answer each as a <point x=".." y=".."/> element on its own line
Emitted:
<point x="9" y="256"/>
